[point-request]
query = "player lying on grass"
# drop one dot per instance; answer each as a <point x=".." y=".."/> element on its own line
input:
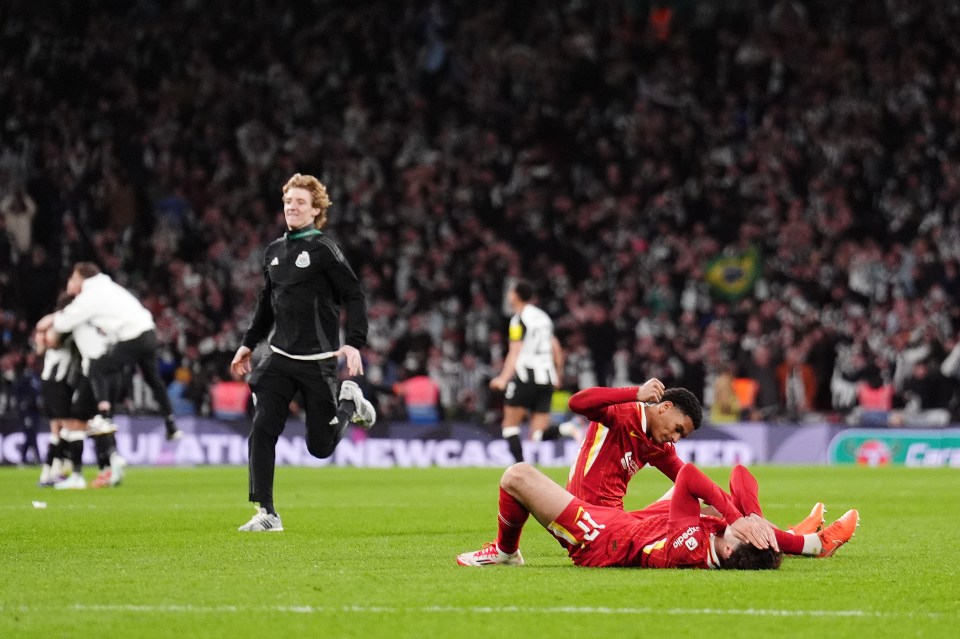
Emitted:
<point x="667" y="534"/>
<point x="634" y="426"/>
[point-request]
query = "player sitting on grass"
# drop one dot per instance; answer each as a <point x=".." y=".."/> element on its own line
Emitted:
<point x="639" y="425"/>
<point x="629" y="428"/>
<point x="666" y="534"/>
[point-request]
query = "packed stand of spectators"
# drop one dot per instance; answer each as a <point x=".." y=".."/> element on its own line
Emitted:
<point x="613" y="152"/>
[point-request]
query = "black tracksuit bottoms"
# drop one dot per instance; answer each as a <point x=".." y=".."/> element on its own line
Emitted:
<point x="275" y="383"/>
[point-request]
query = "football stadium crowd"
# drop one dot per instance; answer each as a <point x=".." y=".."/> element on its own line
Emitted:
<point x="758" y="200"/>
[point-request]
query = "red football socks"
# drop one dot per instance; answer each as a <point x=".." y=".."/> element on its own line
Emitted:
<point x="510" y="521"/>
<point x="789" y="543"/>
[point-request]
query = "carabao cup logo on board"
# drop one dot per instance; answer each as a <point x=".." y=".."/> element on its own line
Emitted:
<point x="873" y="452"/>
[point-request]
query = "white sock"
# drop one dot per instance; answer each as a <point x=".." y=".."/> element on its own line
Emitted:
<point x="55" y="468"/>
<point x="812" y="546"/>
<point x="568" y="429"/>
<point x="45" y="473"/>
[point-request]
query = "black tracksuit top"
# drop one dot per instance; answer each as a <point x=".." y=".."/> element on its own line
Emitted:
<point x="307" y="280"/>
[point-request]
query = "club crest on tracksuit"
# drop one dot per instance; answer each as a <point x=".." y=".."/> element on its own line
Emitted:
<point x="303" y="260"/>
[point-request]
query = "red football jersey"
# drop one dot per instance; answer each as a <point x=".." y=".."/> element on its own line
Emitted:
<point x="667" y="534"/>
<point x="615" y="446"/>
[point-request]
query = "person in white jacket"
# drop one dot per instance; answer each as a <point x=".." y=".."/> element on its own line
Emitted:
<point x="129" y="328"/>
<point x="71" y="403"/>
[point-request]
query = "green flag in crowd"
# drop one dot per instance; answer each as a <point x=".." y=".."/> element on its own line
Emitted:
<point x="732" y="276"/>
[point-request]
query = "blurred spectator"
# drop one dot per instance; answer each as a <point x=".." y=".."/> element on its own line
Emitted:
<point x="471" y="378"/>
<point x="814" y="150"/>
<point x="179" y="393"/>
<point x="874" y="399"/>
<point x="725" y="405"/>
<point x="926" y="398"/>
<point x="421" y="398"/>
<point x="25" y="401"/>
<point x="761" y="370"/>
<point x="229" y="399"/>
<point x="797" y="384"/>
<point x="18" y="210"/>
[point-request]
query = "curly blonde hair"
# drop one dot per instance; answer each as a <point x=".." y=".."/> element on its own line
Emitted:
<point x="318" y="194"/>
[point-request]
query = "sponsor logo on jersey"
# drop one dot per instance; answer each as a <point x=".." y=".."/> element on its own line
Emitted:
<point x="303" y="260"/>
<point x="274" y="262"/>
<point x="687" y="534"/>
<point x="629" y="464"/>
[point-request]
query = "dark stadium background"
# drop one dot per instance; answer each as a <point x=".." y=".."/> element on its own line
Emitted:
<point x="700" y="191"/>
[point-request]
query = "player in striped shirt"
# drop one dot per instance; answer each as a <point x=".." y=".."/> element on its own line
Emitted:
<point x="530" y="371"/>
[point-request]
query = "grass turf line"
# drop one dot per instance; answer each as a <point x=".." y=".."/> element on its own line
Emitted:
<point x="370" y="553"/>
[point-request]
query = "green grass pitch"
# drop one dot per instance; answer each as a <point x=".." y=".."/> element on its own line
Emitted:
<point x="370" y="553"/>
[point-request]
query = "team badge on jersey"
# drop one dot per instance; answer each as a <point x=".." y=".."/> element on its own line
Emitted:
<point x="303" y="260"/>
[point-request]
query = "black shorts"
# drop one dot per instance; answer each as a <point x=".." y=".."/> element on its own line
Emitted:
<point x="534" y="397"/>
<point x="63" y="401"/>
<point x="57" y="397"/>
<point x="84" y="403"/>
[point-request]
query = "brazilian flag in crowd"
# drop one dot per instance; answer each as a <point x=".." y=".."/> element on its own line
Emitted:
<point x="732" y="275"/>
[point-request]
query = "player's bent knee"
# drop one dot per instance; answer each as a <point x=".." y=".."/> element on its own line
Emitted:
<point x="515" y="475"/>
<point x="321" y="449"/>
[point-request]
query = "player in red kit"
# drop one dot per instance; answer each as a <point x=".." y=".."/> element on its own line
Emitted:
<point x="667" y="534"/>
<point x="634" y="426"/>
<point x="629" y="428"/>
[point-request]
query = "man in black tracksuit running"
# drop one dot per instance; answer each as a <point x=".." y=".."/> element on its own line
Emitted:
<point x="307" y="281"/>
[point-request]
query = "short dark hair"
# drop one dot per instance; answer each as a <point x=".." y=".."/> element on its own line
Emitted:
<point x="747" y="557"/>
<point x="524" y="290"/>
<point x="86" y="270"/>
<point x="686" y="402"/>
<point x="62" y="300"/>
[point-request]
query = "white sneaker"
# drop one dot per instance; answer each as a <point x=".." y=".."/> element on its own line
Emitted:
<point x="490" y="555"/>
<point x="117" y="464"/>
<point x="572" y="429"/>
<point x="364" y="414"/>
<point x="100" y="425"/>
<point x="73" y="482"/>
<point x="262" y="522"/>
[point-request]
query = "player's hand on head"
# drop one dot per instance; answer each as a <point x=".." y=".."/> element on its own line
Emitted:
<point x="756" y="532"/>
<point x="651" y="390"/>
<point x="768" y="529"/>
<point x="353" y="360"/>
